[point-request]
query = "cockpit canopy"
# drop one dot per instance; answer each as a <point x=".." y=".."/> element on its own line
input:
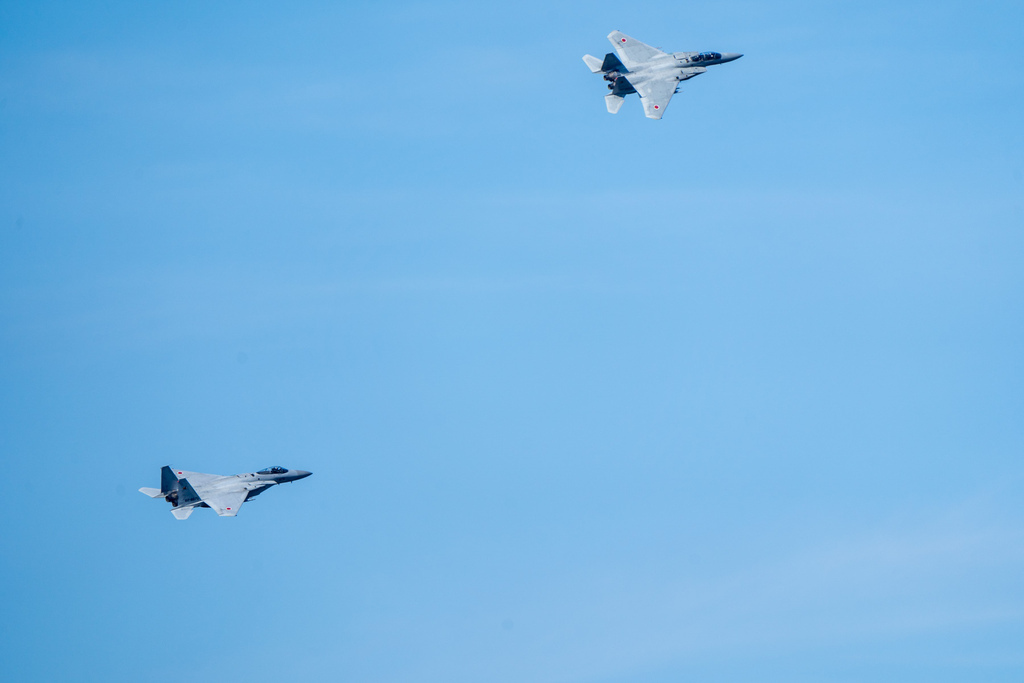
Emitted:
<point x="276" y="469"/>
<point x="706" y="57"/>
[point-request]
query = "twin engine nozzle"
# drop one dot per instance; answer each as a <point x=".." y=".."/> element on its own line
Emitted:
<point x="611" y="77"/>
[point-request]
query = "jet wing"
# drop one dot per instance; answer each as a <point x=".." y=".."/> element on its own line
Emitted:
<point x="655" y="95"/>
<point x="197" y="478"/>
<point x="200" y="486"/>
<point x="632" y="51"/>
<point x="225" y="503"/>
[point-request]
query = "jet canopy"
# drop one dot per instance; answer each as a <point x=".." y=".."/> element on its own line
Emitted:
<point x="276" y="469"/>
<point x="706" y="57"/>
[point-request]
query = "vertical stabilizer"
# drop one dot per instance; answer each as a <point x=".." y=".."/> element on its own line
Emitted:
<point x="186" y="501"/>
<point x="168" y="480"/>
<point x="614" y="103"/>
<point x="612" y="63"/>
<point x="187" y="495"/>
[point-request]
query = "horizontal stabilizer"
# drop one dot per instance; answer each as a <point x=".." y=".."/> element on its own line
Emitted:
<point x="152" y="493"/>
<point x="182" y="513"/>
<point x="593" y="63"/>
<point x="614" y="103"/>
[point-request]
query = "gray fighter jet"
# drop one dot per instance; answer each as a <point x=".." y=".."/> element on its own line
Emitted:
<point x="646" y="70"/>
<point x="187" y="491"/>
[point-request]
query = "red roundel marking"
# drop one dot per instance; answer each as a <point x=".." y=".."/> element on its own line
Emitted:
<point x="229" y="508"/>
<point x="656" y="106"/>
<point x="179" y="472"/>
<point x="623" y="40"/>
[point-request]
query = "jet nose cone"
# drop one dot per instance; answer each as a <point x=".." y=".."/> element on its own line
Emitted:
<point x="301" y="474"/>
<point x="731" y="56"/>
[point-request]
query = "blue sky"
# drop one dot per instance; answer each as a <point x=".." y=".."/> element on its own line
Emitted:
<point x="731" y="396"/>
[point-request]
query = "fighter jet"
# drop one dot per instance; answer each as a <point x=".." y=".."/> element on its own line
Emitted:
<point x="187" y="491"/>
<point x="646" y="70"/>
